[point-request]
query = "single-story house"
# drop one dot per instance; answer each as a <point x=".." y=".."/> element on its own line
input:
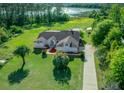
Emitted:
<point x="64" y="41"/>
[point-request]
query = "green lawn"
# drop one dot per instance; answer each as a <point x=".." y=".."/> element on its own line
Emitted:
<point x="39" y="73"/>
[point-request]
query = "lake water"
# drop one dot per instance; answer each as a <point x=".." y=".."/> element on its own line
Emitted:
<point x="73" y="12"/>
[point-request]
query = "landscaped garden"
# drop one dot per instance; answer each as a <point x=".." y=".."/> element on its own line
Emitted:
<point x="38" y="72"/>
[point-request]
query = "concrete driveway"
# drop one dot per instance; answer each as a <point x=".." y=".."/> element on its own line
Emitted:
<point x="89" y="75"/>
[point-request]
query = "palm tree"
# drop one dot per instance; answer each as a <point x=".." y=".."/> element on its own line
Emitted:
<point x="22" y="51"/>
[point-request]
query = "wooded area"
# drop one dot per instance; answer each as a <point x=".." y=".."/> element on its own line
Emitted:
<point x="14" y="16"/>
<point x="107" y="37"/>
<point x="24" y="14"/>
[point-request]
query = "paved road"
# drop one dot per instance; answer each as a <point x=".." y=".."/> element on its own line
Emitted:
<point x="89" y="75"/>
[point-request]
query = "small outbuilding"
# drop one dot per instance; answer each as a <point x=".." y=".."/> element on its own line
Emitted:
<point x="2" y="62"/>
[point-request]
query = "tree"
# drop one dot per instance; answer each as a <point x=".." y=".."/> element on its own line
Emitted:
<point x="114" y="45"/>
<point x="115" y="13"/>
<point x="37" y="19"/>
<point x="101" y="54"/>
<point x="3" y="35"/>
<point x="44" y="54"/>
<point x="61" y="71"/>
<point x="82" y="34"/>
<point x="22" y="51"/>
<point x="102" y="29"/>
<point x="94" y="14"/>
<point x="114" y="35"/>
<point x="117" y="68"/>
<point x="15" y="30"/>
<point x="60" y="61"/>
<point x="24" y="14"/>
<point x="122" y="21"/>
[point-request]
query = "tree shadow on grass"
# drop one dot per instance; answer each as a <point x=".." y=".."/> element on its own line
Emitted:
<point x="1" y="67"/>
<point x="81" y="57"/>
<point x="62" y="75"/>
<point x="17" y="76"/>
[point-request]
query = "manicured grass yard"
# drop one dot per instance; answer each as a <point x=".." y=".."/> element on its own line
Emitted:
<point x="40" y="71"/>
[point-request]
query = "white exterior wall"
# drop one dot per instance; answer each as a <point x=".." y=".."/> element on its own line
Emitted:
<point x="41" y="43"/>
<point x="67" y="49"/>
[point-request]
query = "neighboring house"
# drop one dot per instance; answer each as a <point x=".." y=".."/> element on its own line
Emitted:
<point x="65" y="41"/>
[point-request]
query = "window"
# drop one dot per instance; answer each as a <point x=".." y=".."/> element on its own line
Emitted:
<point x="40" y="41"/>
<point x="51" y="43"/>
<point x="66" y="44"/>
<point x="71" y="44"/>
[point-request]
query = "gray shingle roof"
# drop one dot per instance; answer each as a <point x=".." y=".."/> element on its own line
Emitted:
<point x="60" y="34"/>
<point x="69" y="40"/>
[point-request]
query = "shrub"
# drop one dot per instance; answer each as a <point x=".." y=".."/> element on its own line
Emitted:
<point x="116" y="71"/>
<point x="44" y="55"/>
<point x="27" y="26"/>
<point x="71" y="58"/>
<point x="61" y="61"/>
<point x="101" y="54"/>
<point x="3" y="35"/>
<point x="34" y="25"/>
<point x="82" y="56"/>
<point x="15" y="30"/>
<point x="4" y="38"/>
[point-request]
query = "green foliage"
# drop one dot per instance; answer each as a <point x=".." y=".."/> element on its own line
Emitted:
<point x="38" y="19"/>
<point x="114" y="35"/>
<point x="44" y="54"/>
<point x="3" y="35"/>
<point x="115" y="13"/>
<point x="82" y="55"/>
<point x="87" y="5"/>
<point x="122" y="21"/>
<point x="61" y="60"/>
<point x="94" y="14"/>
<point x="107" y="37"/>
<point x="62" y="75"/>
<point x="61" y="72"/>
<point x="117" y="67"/>
<point x="102" y="29"/>
<point x="15" y="30"/>
<point x="81" y="34"/>
<point x="21" y="51"/>
<point x="101" y="54"/>
<point x="114" y="45"/>
<point x="100" y="15"/>
<point x="25" y="14"/>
